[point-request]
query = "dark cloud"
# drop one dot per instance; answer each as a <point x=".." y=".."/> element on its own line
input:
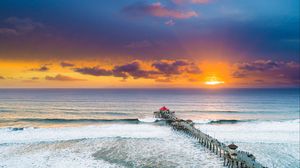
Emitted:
<point x="1" y="77"/>
<point x="127" y="70"/>
<point x="291" y="72"/>
<point x="157" y="10"/>
<point x="169" y="68"/>
<point x="95" y="71"/>
<point x="43" y="68"/>
<point x="161" y="70"/>
<point x="134" y="70"/>
<point x="246" y="68"/>
<point x="238" y="74"/>
<point x="66" y="64"/>
<point x="18" y="26"/>
<point x="259" y="65"/>
<point x="276" y="70"/>
<point x="24" y="24"/>
<point x="176" y="67"/>
<point x="60" y="77"/>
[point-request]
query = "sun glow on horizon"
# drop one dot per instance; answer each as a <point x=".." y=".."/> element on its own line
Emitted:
<point x="213" y="80"/>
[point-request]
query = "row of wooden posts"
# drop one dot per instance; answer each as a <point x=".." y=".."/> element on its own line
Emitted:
<point x="232" y="157"/>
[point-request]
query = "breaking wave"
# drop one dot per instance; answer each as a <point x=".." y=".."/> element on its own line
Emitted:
<point x="236" y="121"/>
<point x="25" y="135"/>
<point x="229" y="121"/>
<point x="63" y="120"/>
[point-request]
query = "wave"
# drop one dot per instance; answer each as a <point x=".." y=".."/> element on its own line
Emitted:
<point x="229" y="121"/>
<point x="101" y="113"/>
<point x="221" y="121"/>
<point x="31" y="134"/>
<point x="62" y="120"/>
<point x="236" y="121"/>
<point x="5" y="110"/>
<point x="17" y="129"/>
<point x="81" y="120"/>
<point x="214" y="111"/>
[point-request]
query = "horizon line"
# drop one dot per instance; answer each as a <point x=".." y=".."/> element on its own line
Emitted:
<point x="137" y="88"/>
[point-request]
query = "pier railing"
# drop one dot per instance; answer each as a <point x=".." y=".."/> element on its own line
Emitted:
<point x="232" y="158"/>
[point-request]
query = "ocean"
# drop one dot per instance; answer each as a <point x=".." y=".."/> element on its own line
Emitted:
<point x="115" y="127"/>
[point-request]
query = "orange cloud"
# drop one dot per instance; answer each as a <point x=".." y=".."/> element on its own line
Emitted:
<point x="159" y="73"/>
<point x="60" y="77"/>
<point x="66" y="64"/>
<point x="43" y="68"/>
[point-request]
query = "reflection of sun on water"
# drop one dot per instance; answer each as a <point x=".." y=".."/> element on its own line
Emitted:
<point x="213" y="80"/>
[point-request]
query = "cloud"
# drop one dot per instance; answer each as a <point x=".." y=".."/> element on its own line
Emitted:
<point x="170" y="23"/>
<point x="19" y="26"/>
<point x="259" y="65"/>
<point x="287" y="72"/>
<point x="191" y="1"/>
<point x="245" y="68"/>
<point x="95" y="71"/>
<point x="43" y="68"/>
<point x="169" y="68"/>
<point x="66" y="64"/>
<point x="238" y="74"/>
<point x="291" y="72"/>
<point x="158" y="10"/>
<point x="60" y="77"/>
<point x="163" y="70"/>
<point x="24" y="25"/>
<point x="134" y="70"/>
<point x="8" y="31"/>
<point x="1" y="77"/>
<point x="139" y="44"/>
<point x="163" y="80"/>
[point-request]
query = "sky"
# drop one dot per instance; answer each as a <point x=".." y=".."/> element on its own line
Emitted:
<point x="149" y="44"/>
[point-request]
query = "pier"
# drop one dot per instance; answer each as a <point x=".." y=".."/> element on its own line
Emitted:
<point x="232" y="157"/>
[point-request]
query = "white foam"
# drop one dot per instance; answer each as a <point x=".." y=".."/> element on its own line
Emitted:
<point x="148" y="120"/>
<point x="39" y="155"/>
<point x="264" y="131"/>
<point x="204" y="121"/>
<point x="69" y="133"/>
<point x="274" y="143"/>
<point x="152" y="146"/>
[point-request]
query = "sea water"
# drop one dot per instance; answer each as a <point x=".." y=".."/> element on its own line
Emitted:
<point x="116" y="128"/>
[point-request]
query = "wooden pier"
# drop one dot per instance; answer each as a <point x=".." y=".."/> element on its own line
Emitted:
<point x="232" y="157"/>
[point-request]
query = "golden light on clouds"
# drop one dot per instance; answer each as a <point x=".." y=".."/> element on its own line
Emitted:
<point x="165" y="74"/>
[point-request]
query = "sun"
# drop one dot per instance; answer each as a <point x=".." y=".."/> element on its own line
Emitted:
<point x="213" y="80"/>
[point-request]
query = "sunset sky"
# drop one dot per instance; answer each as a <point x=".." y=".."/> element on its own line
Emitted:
<point x="149" y="44"/>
